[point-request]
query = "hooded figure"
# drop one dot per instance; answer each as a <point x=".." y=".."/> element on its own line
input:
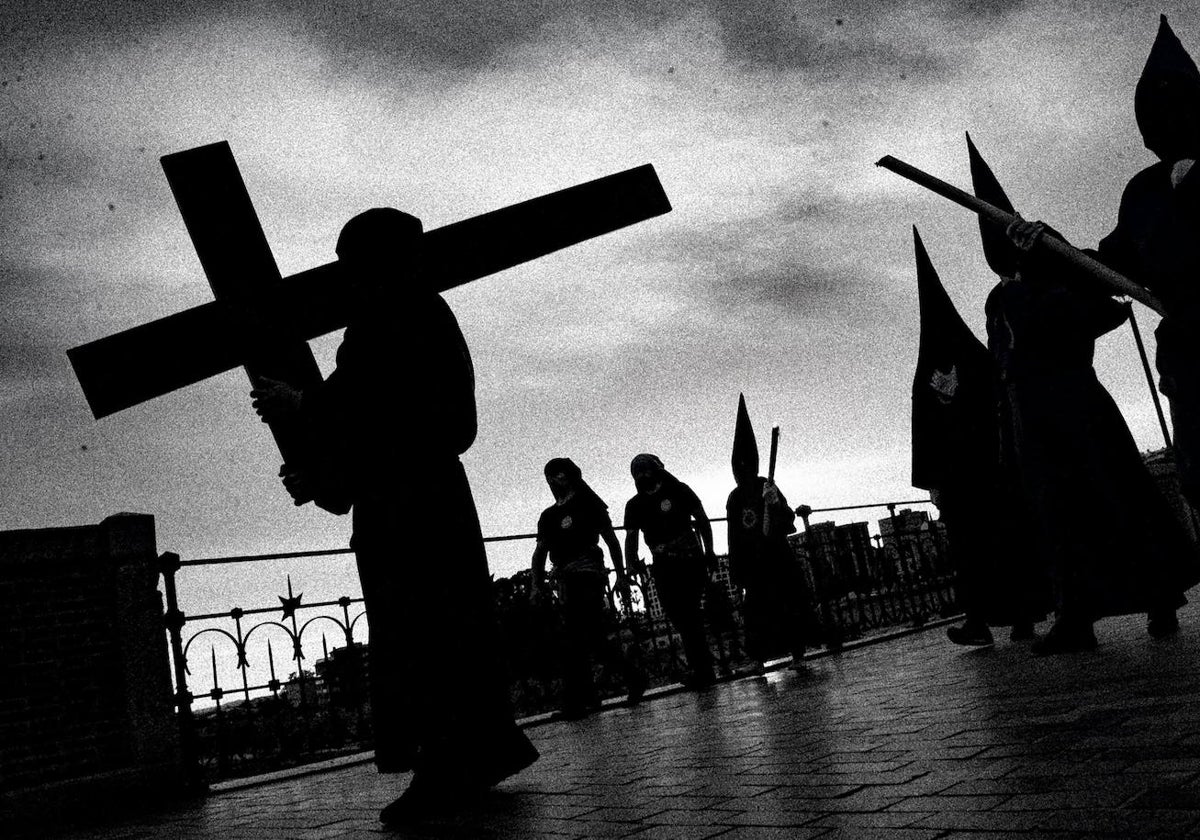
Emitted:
<point x="1108" y="539"/>
<point x="392" y="420"/>
<point x="956" y="456"/>
<point x="669" y="515"/>
<point x="1166" y="100"/>
<point x="569" y="532"/>
<point x="954" y="427"/>
<point x="761" y="561"/>
<point x="1157" y="238"/>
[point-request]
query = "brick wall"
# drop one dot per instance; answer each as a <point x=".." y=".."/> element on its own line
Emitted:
<point x="85" y="690"/>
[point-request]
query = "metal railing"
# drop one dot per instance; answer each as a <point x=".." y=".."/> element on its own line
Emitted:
<point x="857" y="583"/>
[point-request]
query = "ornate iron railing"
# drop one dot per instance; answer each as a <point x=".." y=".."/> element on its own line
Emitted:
<point x="857" y="582"/>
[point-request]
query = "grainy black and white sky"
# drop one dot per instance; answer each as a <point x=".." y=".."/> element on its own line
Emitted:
<point x="785" y="270"/>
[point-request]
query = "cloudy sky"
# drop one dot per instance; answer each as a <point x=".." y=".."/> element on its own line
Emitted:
<point x="785" y="270"/>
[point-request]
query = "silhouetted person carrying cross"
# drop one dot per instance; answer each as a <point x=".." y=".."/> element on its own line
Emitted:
<point x="386" y="429"/>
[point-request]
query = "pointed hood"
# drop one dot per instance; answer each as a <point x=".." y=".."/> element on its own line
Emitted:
<point x="953" y="403"/>
<point x="1167" y="99"/>
<point x="944" y="335"/>
<point x="745" y="445"/>
<point x="1002" y="256"/>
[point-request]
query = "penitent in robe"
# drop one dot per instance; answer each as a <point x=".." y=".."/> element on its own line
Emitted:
<point x="1157" y="238"/>
<point x="1157" y="243"/>
<point x="390" y="423"/>
<point x="956" y="453"/>
<point x="1111" y="543"/>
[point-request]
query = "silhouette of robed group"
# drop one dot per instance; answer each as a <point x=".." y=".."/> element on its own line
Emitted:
<point x="1026" y="427"/>
<point x="1021" y="425"/>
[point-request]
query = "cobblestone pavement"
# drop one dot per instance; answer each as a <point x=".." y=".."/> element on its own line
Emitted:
<point x="912" y="739"/>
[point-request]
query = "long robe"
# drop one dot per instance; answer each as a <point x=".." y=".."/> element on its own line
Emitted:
<point x="1157" y="243"/>
<point x="390" y="423"/>
<point x="956" y="452"/>
<point x="1108" y="538"/>
<point x="776" y="605"/>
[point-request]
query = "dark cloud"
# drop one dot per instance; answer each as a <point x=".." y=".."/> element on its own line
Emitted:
<point x="29" y="359"/>
<point x="472" y="34"/>
<point x="770" y="34"/>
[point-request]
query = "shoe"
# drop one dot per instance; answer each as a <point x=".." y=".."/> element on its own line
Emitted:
<point x="509" y="758"/>
<point x="699" y="682"/>
<point x="1067" y="639"/>
<point x="970" y="634"/>
<point x="1023" y="632"/>
<point x="798" y="665"/>
<point x="425" y="797"/>
<point x="637" y="687"/>
<point x="1162" y="623"/>
<point x="756" y="669"/>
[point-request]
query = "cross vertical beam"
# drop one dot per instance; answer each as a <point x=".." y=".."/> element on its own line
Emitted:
<point x="238" y="263"/>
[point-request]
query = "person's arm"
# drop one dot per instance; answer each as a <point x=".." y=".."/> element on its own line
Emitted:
<point x="631" y="549"/>
<point x="614" y="547"/>
<point x="621" y="584"/>
<point x="704" y="529"/>
<point x="537" y="578"/>
<point x="731" y="535"/>
<point x="782" y="516"/>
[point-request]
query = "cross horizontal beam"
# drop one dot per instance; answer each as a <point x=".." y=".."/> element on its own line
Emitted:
<point x="147" y="361"/>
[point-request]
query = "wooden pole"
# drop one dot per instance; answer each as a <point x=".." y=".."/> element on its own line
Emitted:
<point x="766" y="521"/>
<point x="1137" y="336"/>
<point x="1116" y="282"/>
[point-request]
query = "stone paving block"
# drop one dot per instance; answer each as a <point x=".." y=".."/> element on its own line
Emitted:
<point x="678" y="832"/>
<point x="625" y="815"/>
<point x="926" y="785"/>
<point x="1067" y="800"/>
<point x="761" y="832"/>
<point x="697" y="803"/>
<point x="875" y="820"/>
<point x="881" y="834"/>
<point x="1127" y="823"/>
<point x="775" y="818"/>
<point x="949" y="803"/>
<point x="998" y="821"/>
<point x="1000" y="835"/>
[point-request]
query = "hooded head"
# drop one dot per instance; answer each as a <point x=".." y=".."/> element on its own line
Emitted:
<point x="745" y="446"/>
<point x="946" y="340"/>
<point x="1001" y="254"/>
<point x="1167" y="99"/>
<point x="648" y="472"/>
<point x="565" y="477"/>
<point x="381" y="245"/>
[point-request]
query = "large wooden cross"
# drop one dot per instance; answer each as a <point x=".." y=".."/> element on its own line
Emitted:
<point x="263" y="322"/>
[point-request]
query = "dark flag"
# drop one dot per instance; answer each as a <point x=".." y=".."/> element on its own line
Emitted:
<point x="953" y="393"/>
<point x="956" y="456"/>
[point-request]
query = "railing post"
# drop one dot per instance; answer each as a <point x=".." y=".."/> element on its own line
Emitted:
<point x="911" y="597"/>
<point x="174" y="619"/>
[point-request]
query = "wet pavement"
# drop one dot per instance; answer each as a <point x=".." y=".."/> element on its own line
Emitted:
<point x="912" y="739"/>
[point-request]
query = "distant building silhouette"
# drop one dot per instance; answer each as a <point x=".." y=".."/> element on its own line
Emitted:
<point x="835" y="552"/>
